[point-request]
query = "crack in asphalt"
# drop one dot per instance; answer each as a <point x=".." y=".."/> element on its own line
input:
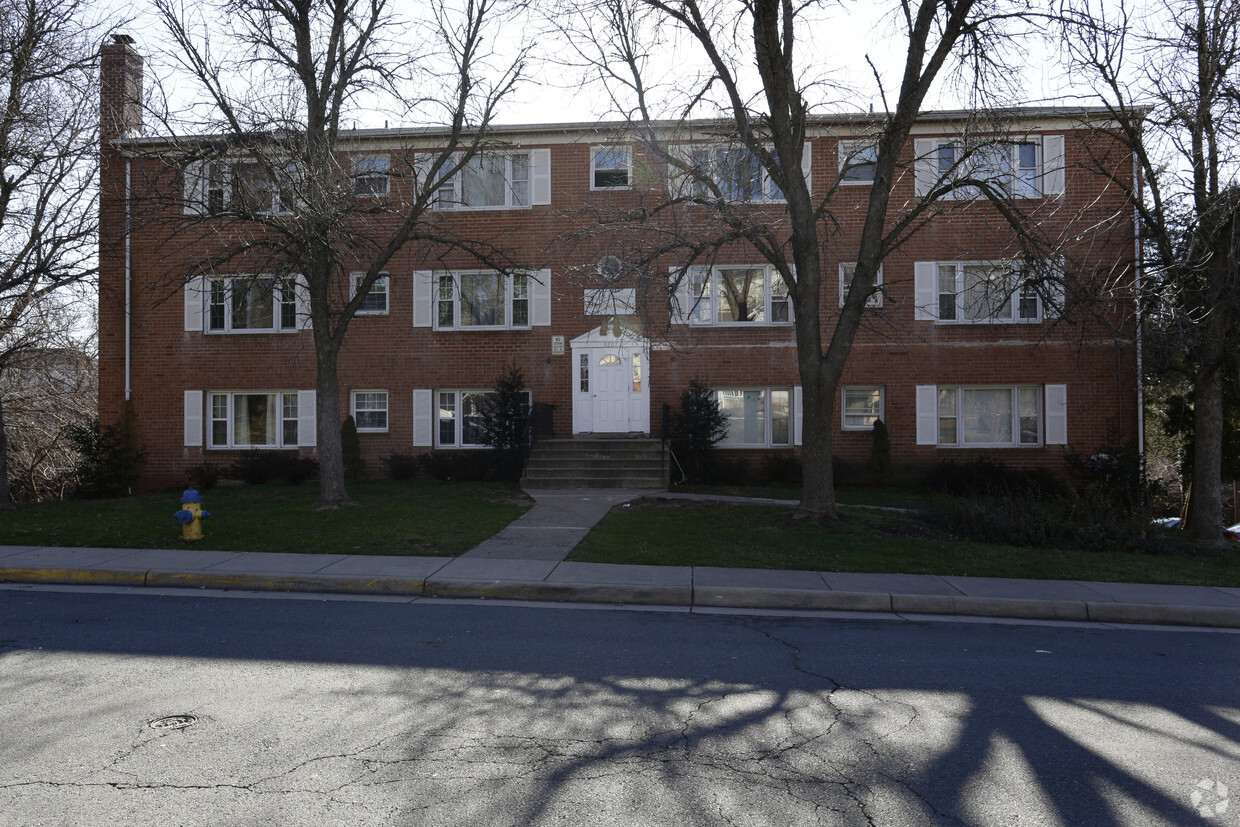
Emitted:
<point x="765" y="749"/>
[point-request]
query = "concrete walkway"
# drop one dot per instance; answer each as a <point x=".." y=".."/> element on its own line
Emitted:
<point x="526" y="561"/>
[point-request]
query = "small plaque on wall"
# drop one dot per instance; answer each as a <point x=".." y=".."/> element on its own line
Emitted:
<point x="557" y="345"/>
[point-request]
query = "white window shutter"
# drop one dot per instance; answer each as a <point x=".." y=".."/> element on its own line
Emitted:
<point x="195" y="179"/>
<point x="807" y="163"/>
<point x="679" y="182"/>
<point x="540" y="176"/>
<point x="682" y="307"/>
<point x="1056" y="414"/>
<point x="540" y="298"/>
<point x="796" y="415"/>
<point x="925" y="165"/>
<point x="226" y="176"/>
<point x="421" y="173"/>
<point x="195" y="308"/>
<point x="301" y="299"/>
<point x="1053" y="165"/>
<point x="423" y="417"/>
<point x="423" y="297"/>
<point x="307" y="416"/>
<point x="925" y="290"/>
<point x="1054" y="292"/>
<point x="927" y="415"/>
<point x="193" y="419"/>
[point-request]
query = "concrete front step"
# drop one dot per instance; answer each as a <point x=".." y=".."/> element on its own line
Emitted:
<point x="657" y="483"/>
<point x="549" y="463"/>
<point x="593" y="474"/>
<point x="596" y="463"/>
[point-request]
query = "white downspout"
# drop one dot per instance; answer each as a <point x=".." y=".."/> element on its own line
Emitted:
<point x="128" y="272"/>
<point x="1136" y="242"/>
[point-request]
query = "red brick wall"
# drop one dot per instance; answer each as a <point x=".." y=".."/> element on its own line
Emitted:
<point x="893" y="350"/>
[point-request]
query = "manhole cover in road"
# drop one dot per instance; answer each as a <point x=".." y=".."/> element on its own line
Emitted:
<point x="173" y="722"/>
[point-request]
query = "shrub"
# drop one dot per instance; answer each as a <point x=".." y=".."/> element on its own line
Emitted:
<point x="782" y="468"/>
<point x="880" y="449"/>
<point x="110" y="459"/>
<point x="258" y="467"/>
<point x="987" y="478"/>
<point x="465" y="466"/>
<point x="203" y="476"/>
<point x="505" y="416"/>
<point x="351" y="450"/>
<point x="403" y="467"/>
<point x="506" y="411"/>
<point x="1077" y="524"/>
<point x="701" y="425"/>
<point x="731" y="470"/>
<point x="1113" y="473"/>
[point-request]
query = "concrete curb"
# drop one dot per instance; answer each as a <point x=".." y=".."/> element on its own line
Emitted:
<point x="1215" y="616"/>
<point x="716" y="596"/>
<point x="538" y="590"/>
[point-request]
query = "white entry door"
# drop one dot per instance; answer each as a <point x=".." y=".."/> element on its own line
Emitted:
<point x="611" y="384"/>
<point x="611" y="394"/>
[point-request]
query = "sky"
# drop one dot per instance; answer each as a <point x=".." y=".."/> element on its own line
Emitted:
<point x="834" y="47"/>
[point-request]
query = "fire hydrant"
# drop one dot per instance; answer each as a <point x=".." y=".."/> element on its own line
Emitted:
<point x="191" y="515"/>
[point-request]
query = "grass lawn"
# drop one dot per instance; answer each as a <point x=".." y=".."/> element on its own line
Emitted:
<point x="683" y="533"/>
<point x="416" y="518"/>
<point x="852" y="495"/>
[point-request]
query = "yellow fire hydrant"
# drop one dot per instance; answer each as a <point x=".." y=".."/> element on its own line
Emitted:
<point x="191" y="515"/>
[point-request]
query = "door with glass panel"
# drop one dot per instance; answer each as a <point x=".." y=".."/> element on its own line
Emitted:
<point x="611" y="394"/>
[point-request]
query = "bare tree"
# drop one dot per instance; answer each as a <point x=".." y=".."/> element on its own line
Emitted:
<point x="767" y="119"/>
<point x="48" y="163"/>
<point x="283" y="85"/>
<point x="48" y="385"/>
<point x="1171" y="80"/>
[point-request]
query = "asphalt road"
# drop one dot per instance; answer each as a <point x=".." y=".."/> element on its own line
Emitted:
<point x="360" y="712"/>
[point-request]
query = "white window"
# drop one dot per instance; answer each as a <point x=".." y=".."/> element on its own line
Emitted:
<point x="371" y="175"/>
<point x="862" y="405"/>
<point x="248" y="419"/>
<point x="260" y="189"/>
<point x="847" y="270"/>
<point x="208" y="187"/>
<point x="965" y="292"/>
<point x="733" y="295"/>
<point x="735" y="171"/>
<point x="376" y="301"/>
<point x="370" y="411"/>
<point x="488" y="181"/>
<point x="483" y="299"/>
<point x="858" y="161"/>
<point x="1029" y="167"/>
<point x="756" y="417"/>
<point x="459" y="417"/>
<point x="990" y="417"/>
<point x="611" y="167"/>
<point x="251" y="304"/>
<point x="248" y="187"/>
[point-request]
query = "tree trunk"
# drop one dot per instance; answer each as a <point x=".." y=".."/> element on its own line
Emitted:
<point x="818" y="473"/>
<point x="1205" y="508"/>
<point x="332" y="493"/>
<point x="6" y="499"/>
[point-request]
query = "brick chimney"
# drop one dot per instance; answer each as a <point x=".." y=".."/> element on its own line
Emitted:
<point x="120" y="89"/>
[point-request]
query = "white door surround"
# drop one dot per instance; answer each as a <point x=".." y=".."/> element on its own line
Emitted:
<point x="611" y="383"/>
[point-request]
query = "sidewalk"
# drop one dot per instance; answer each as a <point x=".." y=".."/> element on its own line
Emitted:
<point x="526" y="562"/>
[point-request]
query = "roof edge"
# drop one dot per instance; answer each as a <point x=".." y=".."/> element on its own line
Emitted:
<point x="603" y="127"/>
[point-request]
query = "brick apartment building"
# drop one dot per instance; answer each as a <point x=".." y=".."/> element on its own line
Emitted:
<point x="217" y="363"/>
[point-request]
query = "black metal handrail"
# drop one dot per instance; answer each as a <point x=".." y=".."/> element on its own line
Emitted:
<point x="664" y="435"/>
<point x="539" y="419"/>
